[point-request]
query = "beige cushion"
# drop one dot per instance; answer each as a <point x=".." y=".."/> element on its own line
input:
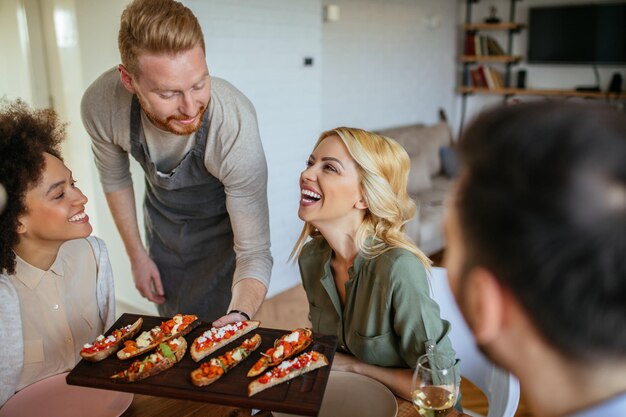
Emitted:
<point x="419" y="175"/>
<point x="422" y="142"/>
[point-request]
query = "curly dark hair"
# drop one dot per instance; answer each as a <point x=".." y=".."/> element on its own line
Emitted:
<point x="25" y="134"/>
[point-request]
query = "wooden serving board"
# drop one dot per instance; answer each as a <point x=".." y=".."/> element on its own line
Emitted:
<point x="302" y="395"/>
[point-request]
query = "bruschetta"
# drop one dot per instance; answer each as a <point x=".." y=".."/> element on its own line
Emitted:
<point x="167" y="355"/>
<point x="218" y="337"/>
<point x="284" y="347"/>
<point x="286" y="370"/>
<point x="179" y="325"/>
<point x="213" y="369"/>
<point x="103" y="347"/>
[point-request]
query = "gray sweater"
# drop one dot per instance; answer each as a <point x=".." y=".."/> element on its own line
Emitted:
<point x="234" y="155"/>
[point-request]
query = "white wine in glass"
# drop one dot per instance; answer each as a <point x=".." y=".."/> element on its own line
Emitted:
<point x="434" y="389"/>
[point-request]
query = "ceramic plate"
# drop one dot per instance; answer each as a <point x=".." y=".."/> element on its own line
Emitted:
<point x="53" y="397"/>
<point x="353" y="395"/>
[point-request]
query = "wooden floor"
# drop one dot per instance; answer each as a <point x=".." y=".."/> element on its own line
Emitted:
<point x="289" y="310"/>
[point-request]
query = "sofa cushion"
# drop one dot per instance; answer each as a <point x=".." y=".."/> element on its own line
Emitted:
<point x="419" y="175"/>
<point x="423" y="140"/>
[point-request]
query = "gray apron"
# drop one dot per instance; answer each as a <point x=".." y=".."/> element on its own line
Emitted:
<point x="188" y="230"/>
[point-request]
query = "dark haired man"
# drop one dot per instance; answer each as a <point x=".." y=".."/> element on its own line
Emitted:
<point x="536" y="254"/>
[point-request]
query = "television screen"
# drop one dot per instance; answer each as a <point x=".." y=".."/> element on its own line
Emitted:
<point x="582" y="34"/>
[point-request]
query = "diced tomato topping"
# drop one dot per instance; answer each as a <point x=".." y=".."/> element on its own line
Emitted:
<point x="210" y="371"/>
<point x="106" y="342"/>
<point x="130" y="346"/>
<point x="288" y="348"/>
<point x="211" y="335"/>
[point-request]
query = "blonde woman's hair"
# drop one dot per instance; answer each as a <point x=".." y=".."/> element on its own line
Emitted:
<point x="156" y="26"/>
<point x="383" y="167"/>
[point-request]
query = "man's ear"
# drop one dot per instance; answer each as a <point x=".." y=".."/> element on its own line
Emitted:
<point x="485" y="304"/>
<point x="126" y="78"/>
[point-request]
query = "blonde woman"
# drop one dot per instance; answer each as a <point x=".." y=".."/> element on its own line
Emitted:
<point x="366" y="282"/>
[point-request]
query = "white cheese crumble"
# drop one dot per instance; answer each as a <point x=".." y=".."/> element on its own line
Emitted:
<point x="279" y="351"/>
<point x="237" y="355"/>
<point x="145" y="338"/>
<point x="293" y="337"/>
<point x="219" y="332"/>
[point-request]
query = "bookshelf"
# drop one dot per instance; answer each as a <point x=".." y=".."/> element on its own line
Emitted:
<point x="502" y="59"/>
<point x="494" y="26"/>
<point x="486" y="65"/>
<point x="480" y="48"/>
<point x="542" y="92"/>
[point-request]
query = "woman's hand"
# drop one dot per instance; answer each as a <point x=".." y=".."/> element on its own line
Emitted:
<point x="398" y="380"/>
<point x="345" y="363"/>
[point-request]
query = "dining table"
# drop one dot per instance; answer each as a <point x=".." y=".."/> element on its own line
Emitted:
<point x="149" y="406"/>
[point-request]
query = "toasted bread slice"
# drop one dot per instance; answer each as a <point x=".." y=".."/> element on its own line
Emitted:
<point x="284" y="347"/>
<point x="167" y="355"/>
<point x="179" y="325"/>
<point x="103" y="346"/>
<point x="218" y="337"/>
<point x="287" y="370"/>
<point x="212" y="370"/>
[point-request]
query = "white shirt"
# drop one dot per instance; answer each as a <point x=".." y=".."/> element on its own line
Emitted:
<point x="47" y="316"/>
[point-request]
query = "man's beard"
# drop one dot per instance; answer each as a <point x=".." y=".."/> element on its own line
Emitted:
<point x="164" y="124"/>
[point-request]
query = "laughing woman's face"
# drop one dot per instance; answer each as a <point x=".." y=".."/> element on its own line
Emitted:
<point x="329" y="186"/>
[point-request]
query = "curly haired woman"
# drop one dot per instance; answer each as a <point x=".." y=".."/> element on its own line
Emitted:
<point x="56" y="286"/>
<point x="366" y="282"/>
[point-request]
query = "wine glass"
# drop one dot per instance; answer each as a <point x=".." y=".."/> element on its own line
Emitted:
<point x="434" y="388"/>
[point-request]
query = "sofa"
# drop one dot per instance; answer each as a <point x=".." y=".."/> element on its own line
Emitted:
<point x="433" y="168"/>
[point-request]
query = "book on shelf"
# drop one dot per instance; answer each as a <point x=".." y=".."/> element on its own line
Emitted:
<point x="485" y="77"/>
<point x="478" y="77"/>
<point x="493" y="47"/>
<point x="469" y="44"/>
<point x="477" y="46"/>
<point x="496" y="76"/>
<point x="467" y="77"/>
<point x="491" y="84"/>
<point x="482" y="45"/>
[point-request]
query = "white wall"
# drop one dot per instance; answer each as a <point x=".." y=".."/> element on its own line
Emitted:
<point x="15" y="55"/>
<point x="98" y="24"/>
<point x="387" y="63"/>
<point x="260" y="46"/>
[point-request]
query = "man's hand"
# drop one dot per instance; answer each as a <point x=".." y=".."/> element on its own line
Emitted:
<point x="228" y="319"/>
<point x="147" y="278"/>
<point x="248" y="294"/>
<point x="145" y="272"/>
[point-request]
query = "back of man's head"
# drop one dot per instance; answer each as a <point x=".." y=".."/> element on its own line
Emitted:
<point x="542" y="204"/>
<point x="156" y="27"/>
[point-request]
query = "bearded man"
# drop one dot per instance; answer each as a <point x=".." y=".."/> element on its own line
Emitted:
<point x="197" y="139"/>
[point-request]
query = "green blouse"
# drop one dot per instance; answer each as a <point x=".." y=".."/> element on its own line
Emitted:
<point x="388" y="318"/>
